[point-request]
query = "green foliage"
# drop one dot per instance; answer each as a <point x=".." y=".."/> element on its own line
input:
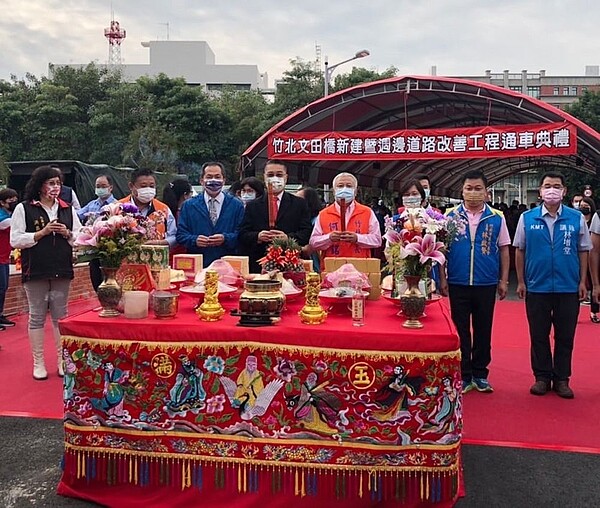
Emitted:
<point x="360" y="75"/>
<point x="300" y="86"/>
<point x="90" y="114"/>
<point x="586" y="109"/>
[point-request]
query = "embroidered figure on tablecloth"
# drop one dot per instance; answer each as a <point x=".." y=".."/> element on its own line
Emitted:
<point x="442" y="418"/>
<point x="113" y="395"/>
<point x="187" y="394"/>
<point x="69" y="378"/>
<point x="317" y="409"/>
<point x="249" y="394"/>
<point x="394" y="397"/>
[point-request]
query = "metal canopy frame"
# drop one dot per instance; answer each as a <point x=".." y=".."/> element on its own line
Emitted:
<point x="423" y="102"/>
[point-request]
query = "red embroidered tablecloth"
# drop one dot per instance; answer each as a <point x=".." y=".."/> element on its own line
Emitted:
<point x="182" y="412"/>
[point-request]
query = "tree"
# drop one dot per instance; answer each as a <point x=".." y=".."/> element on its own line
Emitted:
<point x="300" y="86"/>
<point x="586" y="109"/>
<point x="361" y="75"/>
<point x="249" y="115"/>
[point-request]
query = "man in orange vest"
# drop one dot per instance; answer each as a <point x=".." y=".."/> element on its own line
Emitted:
<point x="353" y="235"/>
<point x="142" y="186"/>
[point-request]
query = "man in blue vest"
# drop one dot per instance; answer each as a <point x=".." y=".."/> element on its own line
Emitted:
<point x="551" y="259"/>
<point x="477" y="268"/>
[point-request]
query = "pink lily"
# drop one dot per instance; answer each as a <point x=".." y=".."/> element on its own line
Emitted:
<point x="427" y="248"/>
<point x="86" y="238"/>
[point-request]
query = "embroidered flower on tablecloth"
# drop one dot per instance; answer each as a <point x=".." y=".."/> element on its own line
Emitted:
<point x="215" y="404"/>
<point x="320" y="366"/>
<point x="214" y="364"/>
<point x="285" y="369"/>
<point x="93" y="360"/>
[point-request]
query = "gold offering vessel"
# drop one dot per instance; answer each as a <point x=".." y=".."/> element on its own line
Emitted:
<point x="312" y="313"/>
<point x="211" y="309"/>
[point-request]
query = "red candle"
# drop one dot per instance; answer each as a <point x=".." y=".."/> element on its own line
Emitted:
<point x="343" y="214"/>
<point x="272" y="206"/>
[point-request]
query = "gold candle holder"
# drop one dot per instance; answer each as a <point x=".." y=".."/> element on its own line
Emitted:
<point x="211" y="309"/>
<point x="312" y="313"/>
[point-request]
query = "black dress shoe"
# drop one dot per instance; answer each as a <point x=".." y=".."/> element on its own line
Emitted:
<point x="562" y="389"/>
<point x="540" y="388"/>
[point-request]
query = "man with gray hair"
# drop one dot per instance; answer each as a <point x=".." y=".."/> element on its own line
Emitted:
<point x="346" y="228"/>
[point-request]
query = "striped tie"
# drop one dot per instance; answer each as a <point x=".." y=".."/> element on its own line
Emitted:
<point x="212" y="210"/>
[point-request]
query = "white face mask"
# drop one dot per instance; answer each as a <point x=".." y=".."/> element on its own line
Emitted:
<point x="277" y="182"/>
<point x="411" y="201"/>
<point x="146" y="194"/>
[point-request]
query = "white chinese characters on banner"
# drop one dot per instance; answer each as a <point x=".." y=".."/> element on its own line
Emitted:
<point x="490" y="141"/>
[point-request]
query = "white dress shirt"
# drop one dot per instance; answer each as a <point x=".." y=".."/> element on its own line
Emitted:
<point x="21" y="239"/>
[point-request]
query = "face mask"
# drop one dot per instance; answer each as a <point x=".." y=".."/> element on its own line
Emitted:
<point x="102" y="192"/>
<point x="146" y="194"/>
<point x="427" y="194"/>
<point x="585" y="210"/>
<point x="411" y="201"/>
<point x="12" y="206"/>
<point x="213" y="185"/>
<point x="345" y="193"/>
<point x="552" y="196"/>
<point x="474" y="197"/>
<point x="577" y="205"/>
<point x="248" y="196"/>
<point x="277" y="183"/>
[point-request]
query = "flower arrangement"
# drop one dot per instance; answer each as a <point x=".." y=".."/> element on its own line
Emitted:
<point x="115" y="233"/>
<point x="418" y="238"/>
<point x="282" y="255"/>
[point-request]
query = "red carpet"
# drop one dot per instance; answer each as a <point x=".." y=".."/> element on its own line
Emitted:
<point x="21" y="394"/>
<point x="508" y="417"/>
<point x="511" y="416"/>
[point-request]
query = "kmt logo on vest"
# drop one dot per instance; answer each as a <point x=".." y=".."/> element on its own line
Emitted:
<point x="536" y="226"/>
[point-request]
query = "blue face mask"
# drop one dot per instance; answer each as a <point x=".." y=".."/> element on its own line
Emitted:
<point x="213" y="185"/>
<point x="345" y="193"/>
<point x="248" y="196"/>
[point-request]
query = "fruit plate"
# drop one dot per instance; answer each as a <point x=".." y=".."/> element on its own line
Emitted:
<point x="337" y="304"/>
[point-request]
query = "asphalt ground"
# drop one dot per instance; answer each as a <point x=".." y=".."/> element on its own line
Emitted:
<point x="494" y="476"/>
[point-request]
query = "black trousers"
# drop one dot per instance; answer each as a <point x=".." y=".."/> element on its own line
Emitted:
<point x="546" y="310"/>
<point x="95" y="273"/>
<point x="473" y="306"/>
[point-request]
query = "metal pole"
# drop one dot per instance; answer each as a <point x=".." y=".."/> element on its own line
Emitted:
<point x="326" y="91"/>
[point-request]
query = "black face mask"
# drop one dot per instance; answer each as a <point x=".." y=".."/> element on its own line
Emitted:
<point x="585" y="210"/>
<point x="12" y="206"/>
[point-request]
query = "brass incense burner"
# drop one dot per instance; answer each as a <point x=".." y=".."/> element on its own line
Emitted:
<point x="312" y="313"/>
<point x="261" y="302"/>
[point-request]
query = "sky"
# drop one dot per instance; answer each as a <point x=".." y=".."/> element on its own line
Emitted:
<point x="459" y="37"/>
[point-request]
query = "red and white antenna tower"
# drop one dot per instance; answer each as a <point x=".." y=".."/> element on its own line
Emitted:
<point x="115" y="37"/>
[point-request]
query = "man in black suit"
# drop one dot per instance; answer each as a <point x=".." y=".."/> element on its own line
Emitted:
<point x="293" y="217"/>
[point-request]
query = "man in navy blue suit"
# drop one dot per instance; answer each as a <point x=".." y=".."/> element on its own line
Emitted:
<point x="209" y="223"/>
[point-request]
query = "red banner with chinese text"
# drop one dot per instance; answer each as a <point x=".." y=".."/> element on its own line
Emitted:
<point x="529" y="140"/>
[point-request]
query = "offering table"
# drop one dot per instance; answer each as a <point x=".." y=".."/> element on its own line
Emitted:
<point x="188" y="413"/>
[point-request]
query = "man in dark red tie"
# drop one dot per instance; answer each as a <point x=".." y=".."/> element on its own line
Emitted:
<point x="289" y="217"/>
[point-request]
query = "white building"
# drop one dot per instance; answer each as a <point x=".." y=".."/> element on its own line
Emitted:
<point x="193" y="61"/>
